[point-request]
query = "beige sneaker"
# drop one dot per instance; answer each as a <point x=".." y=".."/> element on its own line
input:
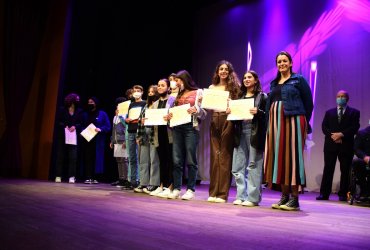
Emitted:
<point x="249" y="204"/>
<point x="156" y="192"/>
<point x="58" y="179"/>
<point x="189" y="195"/>
<point x="174" y="195"/>
<point x="165" y="193"/>
<point x="220" y="200"/>
<point x="237" y="202"/>
<point x="72" y="180"/>
<point x="211" y="199"/>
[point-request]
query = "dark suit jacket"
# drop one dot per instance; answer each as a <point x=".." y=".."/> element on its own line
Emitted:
<point x="349" y="126"/>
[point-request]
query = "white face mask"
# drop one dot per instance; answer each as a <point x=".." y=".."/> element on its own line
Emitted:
<point x="173" y="84"/>
<point x="137" y="95"/>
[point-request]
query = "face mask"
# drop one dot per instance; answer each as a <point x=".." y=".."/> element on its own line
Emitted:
<point x="137" y="95"/>
<point x="341" y="101"/>
<point x="90" y="106"/>
<point x="152" y="99"/>
<point x="173" y="84"/>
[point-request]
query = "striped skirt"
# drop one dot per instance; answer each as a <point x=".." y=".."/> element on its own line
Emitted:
<point x="285" y="139"/>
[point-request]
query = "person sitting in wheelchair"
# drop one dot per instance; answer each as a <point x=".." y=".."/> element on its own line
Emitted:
<point x="360" y="163"/>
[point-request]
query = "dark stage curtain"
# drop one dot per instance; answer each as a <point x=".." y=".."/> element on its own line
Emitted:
<point x="32" y="43"/>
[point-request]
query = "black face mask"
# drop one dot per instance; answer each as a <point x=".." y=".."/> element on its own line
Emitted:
<point x="90" y="106"/>
<point x="152" y="99"/>
<point x="163" y="94"/>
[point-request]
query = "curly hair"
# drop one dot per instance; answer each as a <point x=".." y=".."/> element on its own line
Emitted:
<point x="70" y="99"/>
<point x="233" y="82"/>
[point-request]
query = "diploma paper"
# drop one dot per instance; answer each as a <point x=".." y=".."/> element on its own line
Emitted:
<point x="70" y="137"/>
<point x="155" y="117"/>
<point x="123" y="108"/>
<point x="180" y="115"/>
<point x="89" y="132"/>
<point x="134" y="113"/>
<point x="240" y="109"/>
<point x="119" y="151"/>
<point x="215" y="99"/>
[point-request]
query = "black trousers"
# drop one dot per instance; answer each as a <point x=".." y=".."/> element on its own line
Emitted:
<point x="66" y="157"/>
<point x="330" y="159"/>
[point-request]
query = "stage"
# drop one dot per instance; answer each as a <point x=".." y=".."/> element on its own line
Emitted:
<point x="46" y="215"/>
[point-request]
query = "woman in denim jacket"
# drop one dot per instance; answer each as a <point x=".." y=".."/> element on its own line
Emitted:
<point x="289" y="109"/>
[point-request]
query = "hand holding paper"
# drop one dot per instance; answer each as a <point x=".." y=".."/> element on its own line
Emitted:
<point x="89" y="132"/>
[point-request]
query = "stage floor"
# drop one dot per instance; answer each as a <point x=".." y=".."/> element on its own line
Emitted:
<point x="38" y="214"/>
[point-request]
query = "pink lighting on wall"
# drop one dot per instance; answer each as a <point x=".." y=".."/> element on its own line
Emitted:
<point x="249" y="56"/>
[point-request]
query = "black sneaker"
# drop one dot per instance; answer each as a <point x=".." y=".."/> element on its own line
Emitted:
<point x="121" y="183"/>
<point x="115" y="183"/>
<point x="127" y="186"/>
<point x="291" y="205"/>
<point x="284" y="199"/>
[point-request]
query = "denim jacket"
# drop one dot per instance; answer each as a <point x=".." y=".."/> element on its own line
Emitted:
<point x="296" y="96"/>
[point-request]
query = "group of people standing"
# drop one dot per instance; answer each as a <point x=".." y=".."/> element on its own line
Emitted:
<point x="268" y="148"/>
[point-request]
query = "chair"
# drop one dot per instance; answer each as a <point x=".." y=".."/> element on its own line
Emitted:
<point x="354" y="192"/>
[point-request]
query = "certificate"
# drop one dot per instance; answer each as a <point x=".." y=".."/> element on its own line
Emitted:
<point x="123" y="107"/>
<point x="119" y="151"/>
<point x="215" y="99"/>
<point x="239" y="109"/>
<point x="155" y="117"/>
<point x="134" y="113"/>
<point x="180" y="115"/>
<point x="89" y="132"/>
<point x="70" y="137"/>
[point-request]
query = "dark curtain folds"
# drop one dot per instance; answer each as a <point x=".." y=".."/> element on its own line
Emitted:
<point x="27" y="71"/>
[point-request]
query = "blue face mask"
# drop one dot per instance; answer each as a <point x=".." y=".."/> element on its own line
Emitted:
<point x="341" y="101"/>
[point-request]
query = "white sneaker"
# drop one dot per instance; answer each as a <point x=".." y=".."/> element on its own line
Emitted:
<point x="211" y="199"/>
<point x="165" y="193"/>
<point x="189" y="195"/>
<point x="156" y="192"/>
<point x="174" y="195"/>
<point x="249" y="204"/>
<point x="58" y="179"/>
<point x="238" y="202"/>
<point x="220" y="200"/>
<point x="72" y="180"/>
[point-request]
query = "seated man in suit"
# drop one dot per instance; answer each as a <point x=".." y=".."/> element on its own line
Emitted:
<point x="339" y="126"/>
<point x="361" y="163"/>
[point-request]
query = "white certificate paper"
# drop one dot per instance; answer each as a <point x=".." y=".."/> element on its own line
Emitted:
<point x="89" y="132"/>
<point x="70" y="137"/>
<point x="155" y="117"/>
<point x="119" y="151"/>
<point x="123" y="108"/>
<point x="215" y="99"/>
<point x="134" y="113"/>
<point x="180" y="115"/>
<point x="239" y="109"/>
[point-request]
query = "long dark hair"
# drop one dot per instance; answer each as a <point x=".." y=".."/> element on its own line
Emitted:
<point x="257" y="87"/>
<point x="278" y="75"/>
<point x="233" y="82"/>
<point x="189" y="84"/>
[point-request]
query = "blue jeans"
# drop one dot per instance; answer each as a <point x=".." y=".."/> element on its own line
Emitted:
<point x="247" y="161"/>
<point x="185" y="145"/>
<point x="133" y="157"/>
